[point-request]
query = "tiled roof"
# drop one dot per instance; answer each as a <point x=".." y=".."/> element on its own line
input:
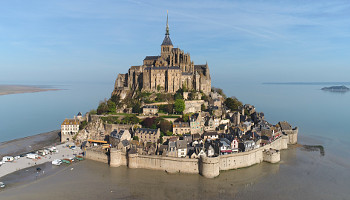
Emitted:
<point x="70" y="122"/>
<point x="181" y="124"/>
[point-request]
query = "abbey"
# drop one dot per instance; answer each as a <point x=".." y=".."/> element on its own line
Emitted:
<point x="170" y="71"/>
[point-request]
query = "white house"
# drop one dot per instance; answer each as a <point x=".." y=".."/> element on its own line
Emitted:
<point x="69" y="128"/>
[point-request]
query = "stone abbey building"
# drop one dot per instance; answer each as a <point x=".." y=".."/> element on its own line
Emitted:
<point x="170" y="71"/>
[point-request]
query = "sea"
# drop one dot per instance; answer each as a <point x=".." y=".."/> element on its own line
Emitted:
<point x="317" y="168"/>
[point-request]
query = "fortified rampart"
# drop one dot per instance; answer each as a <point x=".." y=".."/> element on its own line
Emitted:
<point x="97" y="155"/>
<point x="209" y="167"/>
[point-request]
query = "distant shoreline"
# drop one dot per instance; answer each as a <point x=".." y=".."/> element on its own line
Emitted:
<point x="19" y="89"/>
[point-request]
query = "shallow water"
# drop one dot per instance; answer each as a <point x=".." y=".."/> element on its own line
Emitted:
<point x="322" y="118"/>
<point x="300" y="175"/>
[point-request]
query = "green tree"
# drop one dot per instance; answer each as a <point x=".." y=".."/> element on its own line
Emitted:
<point x="232" y="103"/>
<point x="165" y="126"/>
<point x="130" y="119"/>
<point x="111" y="106"/>
<point x="202" y="107"/>
<point x="179" y="105"/>
<point x="116" y="99"/>
<point x="102" y="108"/>
<point x="135" y="138"/>
<point x="136" y="107"/>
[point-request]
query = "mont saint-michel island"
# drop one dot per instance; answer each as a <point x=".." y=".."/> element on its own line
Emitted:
<point x="165" y="115"/>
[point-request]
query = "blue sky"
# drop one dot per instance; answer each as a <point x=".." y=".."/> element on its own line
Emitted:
<point x="259" y="41"/>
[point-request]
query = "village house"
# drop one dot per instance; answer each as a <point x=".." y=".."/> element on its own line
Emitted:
<point x="225" y="146"/>
<point x="69" y="128"/>
<point x="246" y="145"/>
<point x="216" y="111"/>
<point x="147" y="135"/>
<point x="195" y="123"/>
<point x="118" y="136"/>
<point x="181" y="147"/>
<point x="210" y="135"/>
<point x="172" y="150"/>
<point x="210" y="150"/>
<point x="211" y="123"/>
<point x="193" y="106"/>
<point x="150" y="110"/>
<point x="181" y="128"/>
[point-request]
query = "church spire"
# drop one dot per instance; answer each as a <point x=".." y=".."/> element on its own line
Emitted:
<point x="167" y="40"/>
<point x="167" y="25"/>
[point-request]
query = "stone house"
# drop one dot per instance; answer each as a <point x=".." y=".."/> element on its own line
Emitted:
<point x="216" y="111"/>
<point x="69" y="128"/>
<point x="246" y="145"/>
<point x="212" y="123"/>
<point x="210" y="135"/>
<point x="150" y="110"/>
<point x="236" y="118"/>
<point x="195" y="123"/>
<point x="193" y="106"/>
<point x="181" y="128"/>
<point x="187" y="138"/>
<point x="117" y="136"/>
<point x="124" y="145"/>
<point x="172" y="150"/>
<point x="147" y="135"/>
<point x="210" y="150"/>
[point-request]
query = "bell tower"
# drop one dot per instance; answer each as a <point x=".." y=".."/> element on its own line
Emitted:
<point x="167" y="45"/>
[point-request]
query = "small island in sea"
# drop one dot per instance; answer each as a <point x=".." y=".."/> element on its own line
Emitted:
<point x="336" y="89"/>
<point x="165" y="115"/>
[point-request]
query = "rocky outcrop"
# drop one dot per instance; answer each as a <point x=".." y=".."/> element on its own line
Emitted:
<point x="94" y="130"/>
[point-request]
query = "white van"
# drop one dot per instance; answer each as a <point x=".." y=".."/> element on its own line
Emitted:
<point x="32" y="156"/>
<point x="7" y="159"/>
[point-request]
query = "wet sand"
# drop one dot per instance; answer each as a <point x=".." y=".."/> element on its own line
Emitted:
<point x="301" y="174"/>
<point x="28" y="144"/>
<point x="17" y="89"/>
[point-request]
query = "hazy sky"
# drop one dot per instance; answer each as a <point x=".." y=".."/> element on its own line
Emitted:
<point x="258" y="41"/>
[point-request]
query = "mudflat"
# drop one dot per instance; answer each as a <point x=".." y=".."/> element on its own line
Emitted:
<point x="17" y="89"/>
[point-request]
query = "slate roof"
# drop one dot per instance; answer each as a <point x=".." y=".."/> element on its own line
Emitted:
<point x="150" y="106"/>
<point x="167" y="41"/>
<point x="181" y="144"/>
<point x="285" y="126"/>
<point x="146" y="130"/>
<point x="155" y="68"/>
<point x="152" y="57"/>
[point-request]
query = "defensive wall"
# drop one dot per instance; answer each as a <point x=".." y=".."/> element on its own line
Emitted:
<point x="96" y="155"/>
<point x="209" y="167"/>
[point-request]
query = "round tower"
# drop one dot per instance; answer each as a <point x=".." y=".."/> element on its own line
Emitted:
<point x="209" y="167"/>
<point x="115" y="157"/>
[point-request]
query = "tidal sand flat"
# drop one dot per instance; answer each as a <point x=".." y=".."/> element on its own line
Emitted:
<point x="17" y="89"/>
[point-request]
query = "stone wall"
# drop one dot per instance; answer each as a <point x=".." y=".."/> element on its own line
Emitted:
<point x="168" y="164"/>
<point x="97" y="155"/>
<point x="209" y="167"/>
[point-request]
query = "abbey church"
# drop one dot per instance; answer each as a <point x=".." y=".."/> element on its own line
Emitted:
<point x="170" y="71"/>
